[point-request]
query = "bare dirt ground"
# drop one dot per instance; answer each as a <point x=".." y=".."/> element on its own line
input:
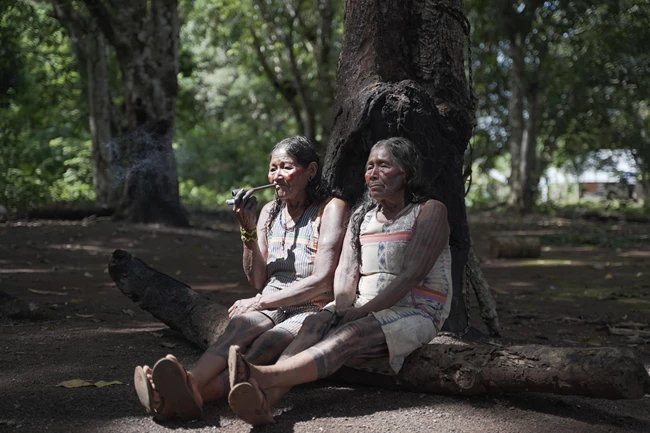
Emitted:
<point x="590" y="275"/>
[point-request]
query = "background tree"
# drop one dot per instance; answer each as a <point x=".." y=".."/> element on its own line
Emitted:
<point x="546" y="73"/>
<point x="145" y="37"/>
<point x="91" y="53"/>
<point x="45" y="152"/>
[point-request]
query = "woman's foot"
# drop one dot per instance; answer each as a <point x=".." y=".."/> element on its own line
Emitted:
<point x="150" y="398"/>
<point x="246" y="399"/>
<point x="177" y="388"/>
<point x="249" y="403"/>
<point x="239" y="369"/>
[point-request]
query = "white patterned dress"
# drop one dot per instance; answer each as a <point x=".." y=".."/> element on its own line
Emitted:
<point x="418" y="316"/>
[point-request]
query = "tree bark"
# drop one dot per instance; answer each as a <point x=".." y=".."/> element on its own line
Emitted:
<point x="324" y="60"/>
<point x="90" y="51"/>
<point x="401" y="73"/>
<point x="486" y="303"/>
<point x="525" y="167"/>
<point x="437" y="369"/>
<point x="102" y="123"/>
<point x="145" y="36"/>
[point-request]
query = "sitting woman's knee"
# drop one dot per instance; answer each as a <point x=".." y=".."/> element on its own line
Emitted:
<point x="268" y="346"/>
<point x="245" y="320"/>
<point x="315" y="323"/>
<point x="361" y="328"/>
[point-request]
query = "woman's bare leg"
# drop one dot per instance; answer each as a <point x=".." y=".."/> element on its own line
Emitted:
<point x="312" y="331"/>
<point x="361" y="337"/>
<point x="241" y="330"/>
<point x="264" y="350"/>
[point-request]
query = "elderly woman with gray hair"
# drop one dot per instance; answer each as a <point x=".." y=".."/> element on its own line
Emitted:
<point x="290" y="254"/>
<point x="392" y="287"/>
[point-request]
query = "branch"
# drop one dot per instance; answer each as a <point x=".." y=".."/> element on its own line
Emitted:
<point x="286" y="93"/>
<point x="104" y="20"/>
<point x="300" y="86"/>
<point x="69" y="18"/>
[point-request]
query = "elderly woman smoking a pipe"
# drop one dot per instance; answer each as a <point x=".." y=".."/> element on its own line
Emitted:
<point x="290" y="255"/>
<point x="392" y="285"/>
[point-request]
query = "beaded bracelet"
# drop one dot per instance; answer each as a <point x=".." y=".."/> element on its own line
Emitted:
<point x="248" y="235"/>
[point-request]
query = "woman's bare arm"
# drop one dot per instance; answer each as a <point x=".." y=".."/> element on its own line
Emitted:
<point x="347" y="274"/>
<point x="334" y="218"/>
<point x="255" y="253"/>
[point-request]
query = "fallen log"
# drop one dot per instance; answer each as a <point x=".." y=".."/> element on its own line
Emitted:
<point x="199" y="319"/>
<point x="515" y="247"/>
<point x="14" y="308"/>
<point x="610" y="373"/>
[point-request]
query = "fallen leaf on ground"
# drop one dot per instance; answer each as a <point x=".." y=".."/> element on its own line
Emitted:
<point x="74" y="383"/>
<point x="608" y="277"/>
<point x="79" y="383"/>
<point x="157" y="334"/>
<point x="178" y="272"/>
<point x="168" y="345"/>
<point x="128" y="311"/>
<point x="47" y="292"/>
<point x="88" y="274"/>
<point x="8" y="422"/>
<point x="101" y="383"/>
<point x="84" y="316"/>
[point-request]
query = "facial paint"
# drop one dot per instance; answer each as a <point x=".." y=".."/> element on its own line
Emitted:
<point x="383" y="172"/>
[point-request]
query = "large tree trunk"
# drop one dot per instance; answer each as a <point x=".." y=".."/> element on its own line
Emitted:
<point x="324" y="67"/>
<point x="90" y="51"/>
<point x="437" y="369"/>
<point x="103" y="126"/>
<point x="401" y="73"/>
<point x="145" y="36"/>
<point x="524" y="115"/>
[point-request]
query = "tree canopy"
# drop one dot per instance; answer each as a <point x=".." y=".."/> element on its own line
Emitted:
<point x="562" y="79"/>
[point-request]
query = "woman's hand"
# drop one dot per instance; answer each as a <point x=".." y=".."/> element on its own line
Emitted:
<point x="350" y="314"/>
<point x="245" y="208"/>
<point x="243" y="306"/>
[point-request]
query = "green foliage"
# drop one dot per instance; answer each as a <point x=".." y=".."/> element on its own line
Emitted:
<point x="589" y="60"/>
<point x="44" y="155"/>
<point x="590" y="64"/>
<point x="229" y="114"/>
<point x="488" y="187"/>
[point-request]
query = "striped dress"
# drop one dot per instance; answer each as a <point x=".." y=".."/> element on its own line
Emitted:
<point x="418" y="316"/>
<point x="291" y="252"/>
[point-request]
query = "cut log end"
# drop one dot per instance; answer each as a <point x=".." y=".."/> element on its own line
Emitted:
<point x="513" y="247"/>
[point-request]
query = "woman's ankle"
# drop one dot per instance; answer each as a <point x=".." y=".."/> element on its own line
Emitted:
<point x="196" y="388"/>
